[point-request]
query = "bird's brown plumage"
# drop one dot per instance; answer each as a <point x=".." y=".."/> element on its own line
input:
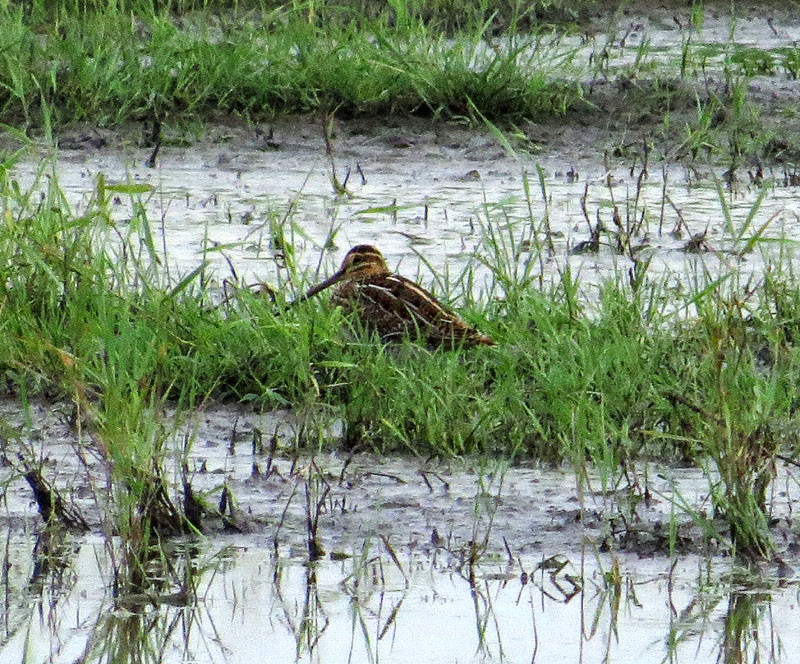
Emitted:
<point x="393" y="305"/>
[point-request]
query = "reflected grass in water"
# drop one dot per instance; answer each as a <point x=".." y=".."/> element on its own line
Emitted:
<point x="370" y="608"/>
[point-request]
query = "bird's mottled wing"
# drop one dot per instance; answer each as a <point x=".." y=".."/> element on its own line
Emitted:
<point x="396" y="306"/>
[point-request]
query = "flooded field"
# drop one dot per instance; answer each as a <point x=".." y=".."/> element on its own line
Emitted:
<point x="251" y="605"/>
<point x="345" y="557"/>
<point x="237" y="196"/>
<point x="427" y="191"/>
<point x="459" y="561"/>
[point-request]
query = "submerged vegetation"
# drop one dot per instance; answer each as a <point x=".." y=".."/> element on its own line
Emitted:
<point x="613" y="381"/>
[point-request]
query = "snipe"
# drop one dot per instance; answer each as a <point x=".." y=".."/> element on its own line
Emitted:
<point x="393" y="305"/>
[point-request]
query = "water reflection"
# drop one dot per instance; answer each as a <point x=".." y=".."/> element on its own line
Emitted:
<point x="741" y="639"/>
<point x="385" y="604"/>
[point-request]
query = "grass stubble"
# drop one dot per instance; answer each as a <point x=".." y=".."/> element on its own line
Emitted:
<point x="643" y="374"/>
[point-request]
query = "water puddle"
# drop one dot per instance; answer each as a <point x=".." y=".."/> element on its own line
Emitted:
<point x="465" y="561"/>
<point x="253" y="606"/>
<point x="658" y="35"/>
<point x="225" y="203"/>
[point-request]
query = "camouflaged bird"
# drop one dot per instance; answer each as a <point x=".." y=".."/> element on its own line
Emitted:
<point x="394" y="306"/>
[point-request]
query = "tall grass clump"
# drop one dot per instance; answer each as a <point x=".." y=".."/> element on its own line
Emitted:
<point x="78" y="328"/>
<point x="745" y="394"/>
<point x="115" y="63"/>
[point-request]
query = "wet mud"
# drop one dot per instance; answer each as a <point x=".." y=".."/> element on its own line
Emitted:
<point x="417" y="560"/>
<point x="420" y="505"/>
<point x="499" y="557"/>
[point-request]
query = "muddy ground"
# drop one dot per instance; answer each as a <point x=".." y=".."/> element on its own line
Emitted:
<point x="420" y="505"/>
<point x="223" y="181"/>
<point x="226" y="180"/>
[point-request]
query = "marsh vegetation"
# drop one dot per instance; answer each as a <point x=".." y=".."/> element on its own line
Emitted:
<point x="632" y="338"/>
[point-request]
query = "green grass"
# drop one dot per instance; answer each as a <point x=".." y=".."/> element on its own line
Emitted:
<point x="643" y="373"/>
<point x="110" y="66"/>
<point x="179" y="62"/>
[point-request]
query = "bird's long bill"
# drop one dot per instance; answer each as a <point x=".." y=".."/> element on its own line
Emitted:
<point x="311" y="292"/>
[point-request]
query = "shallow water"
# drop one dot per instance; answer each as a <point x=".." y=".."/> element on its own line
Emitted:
<point x="216" y="203"/>
<point x="560" y="578"/>
<point x="438" y="189"/>
<point x="254" y="607"/>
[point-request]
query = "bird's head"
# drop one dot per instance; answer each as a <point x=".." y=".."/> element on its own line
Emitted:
<point x="361" y="261"/>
